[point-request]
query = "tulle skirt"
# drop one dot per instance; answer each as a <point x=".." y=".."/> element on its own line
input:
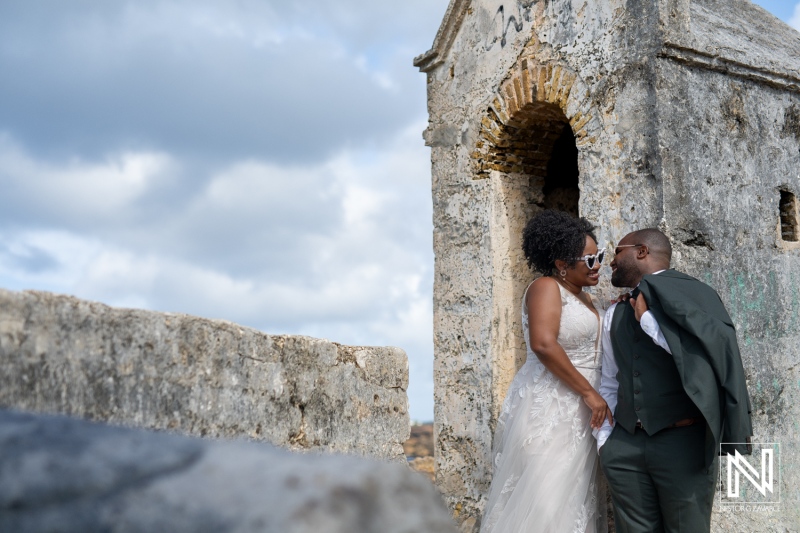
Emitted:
<point x="546" y="472"/>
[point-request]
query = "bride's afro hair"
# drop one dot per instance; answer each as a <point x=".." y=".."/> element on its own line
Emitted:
<point x="552" y="235"/>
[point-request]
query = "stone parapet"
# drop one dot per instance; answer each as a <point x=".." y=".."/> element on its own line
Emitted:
<point x="59" y="354"/>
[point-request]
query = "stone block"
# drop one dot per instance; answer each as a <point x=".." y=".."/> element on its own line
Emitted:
<point x="59" y="354"/>
<point x="65" y="475"/>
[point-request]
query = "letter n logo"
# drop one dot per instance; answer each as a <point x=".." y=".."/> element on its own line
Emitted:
<point x="761" y="477"/>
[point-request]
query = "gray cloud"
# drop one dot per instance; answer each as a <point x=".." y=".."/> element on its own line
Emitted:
<point x="28" y="258"/>
<point x="200" y="79"/>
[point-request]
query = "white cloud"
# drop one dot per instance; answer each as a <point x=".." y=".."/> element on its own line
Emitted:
<point x="75" y="188"/>
<point x="49" y="260"/>
<point x="794" y="22"/>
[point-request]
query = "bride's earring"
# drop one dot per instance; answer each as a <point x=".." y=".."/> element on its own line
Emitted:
<point x="563" y="274"/>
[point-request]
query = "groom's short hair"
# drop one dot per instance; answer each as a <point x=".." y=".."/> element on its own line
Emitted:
<point x="656" y="242"/>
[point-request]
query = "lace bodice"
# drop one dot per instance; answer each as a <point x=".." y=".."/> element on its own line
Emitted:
<point x="579" y="332"/>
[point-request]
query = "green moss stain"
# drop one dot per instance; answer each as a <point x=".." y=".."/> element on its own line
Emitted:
<point x="758" y="307"/>
<point x="795" y="302"/>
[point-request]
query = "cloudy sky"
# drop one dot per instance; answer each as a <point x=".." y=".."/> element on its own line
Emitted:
<point x="259" y="161"/>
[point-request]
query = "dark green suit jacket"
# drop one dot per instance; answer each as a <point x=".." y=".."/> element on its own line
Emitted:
<point x="703" y="342"/>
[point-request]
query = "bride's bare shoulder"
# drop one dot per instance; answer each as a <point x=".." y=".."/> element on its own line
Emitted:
<point x="543" y="289"/>
<point x="545" y="281"/>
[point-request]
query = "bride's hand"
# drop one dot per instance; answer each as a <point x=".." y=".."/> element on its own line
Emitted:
<point x="600" y="410"/>
<point x="624" y="297"/>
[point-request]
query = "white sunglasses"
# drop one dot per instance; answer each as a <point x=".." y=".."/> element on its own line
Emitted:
<point x="593" y="259"/>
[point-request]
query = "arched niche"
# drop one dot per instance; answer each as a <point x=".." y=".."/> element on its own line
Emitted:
<point x="529" y="149"/>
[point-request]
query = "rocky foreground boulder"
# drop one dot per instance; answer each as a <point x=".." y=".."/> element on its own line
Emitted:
<point x="59" y="474"/>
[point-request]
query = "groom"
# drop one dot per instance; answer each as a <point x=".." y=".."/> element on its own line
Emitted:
<point x="673" y="376"/>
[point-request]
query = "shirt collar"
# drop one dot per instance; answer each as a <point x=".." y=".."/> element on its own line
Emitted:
<point x="652" y="274"/>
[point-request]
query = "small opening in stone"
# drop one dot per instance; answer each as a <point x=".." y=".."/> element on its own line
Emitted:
<point x="789" y="223"/>
<point x="561" y="183"/>
<point x="538" y="142"/>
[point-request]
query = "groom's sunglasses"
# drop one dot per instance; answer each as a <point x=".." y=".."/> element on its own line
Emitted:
<point x="593" y="259"/>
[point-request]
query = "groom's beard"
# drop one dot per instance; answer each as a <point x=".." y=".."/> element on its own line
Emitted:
<point x="624" y="276"/>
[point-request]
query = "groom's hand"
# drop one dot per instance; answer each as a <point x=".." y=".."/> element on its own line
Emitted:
<point x="639" y="305"/>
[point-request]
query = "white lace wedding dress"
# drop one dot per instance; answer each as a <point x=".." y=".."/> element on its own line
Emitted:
<point x="545" y="459"/>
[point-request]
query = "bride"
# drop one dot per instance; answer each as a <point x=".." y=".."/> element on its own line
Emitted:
<point x="545" y="463"/>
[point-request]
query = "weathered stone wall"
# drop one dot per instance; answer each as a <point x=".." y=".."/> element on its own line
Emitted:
<point x="683" y="118"/>
<point x="727" y="148"/>
<point x="66" y="475"/>
<point x="59" y="354"/>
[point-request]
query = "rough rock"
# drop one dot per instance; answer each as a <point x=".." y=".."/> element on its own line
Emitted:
<point x="65" y="475"/>
<point x="203" y="377"/>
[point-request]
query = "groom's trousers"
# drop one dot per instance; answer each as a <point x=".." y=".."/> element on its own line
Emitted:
<point x="660" y="483"/>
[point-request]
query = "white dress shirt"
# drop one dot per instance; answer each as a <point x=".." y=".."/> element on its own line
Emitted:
<point x="608" y="380"/>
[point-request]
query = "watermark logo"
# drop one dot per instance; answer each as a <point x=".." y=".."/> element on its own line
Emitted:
<point x="751" y="480"/>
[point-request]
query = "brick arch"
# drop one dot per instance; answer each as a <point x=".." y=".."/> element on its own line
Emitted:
<point x="527" y="114"/>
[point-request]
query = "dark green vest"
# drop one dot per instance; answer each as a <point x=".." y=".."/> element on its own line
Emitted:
<point x="650" y="388"/>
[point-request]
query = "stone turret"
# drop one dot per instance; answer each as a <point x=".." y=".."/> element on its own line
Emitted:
<point x="679" y="114"/>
